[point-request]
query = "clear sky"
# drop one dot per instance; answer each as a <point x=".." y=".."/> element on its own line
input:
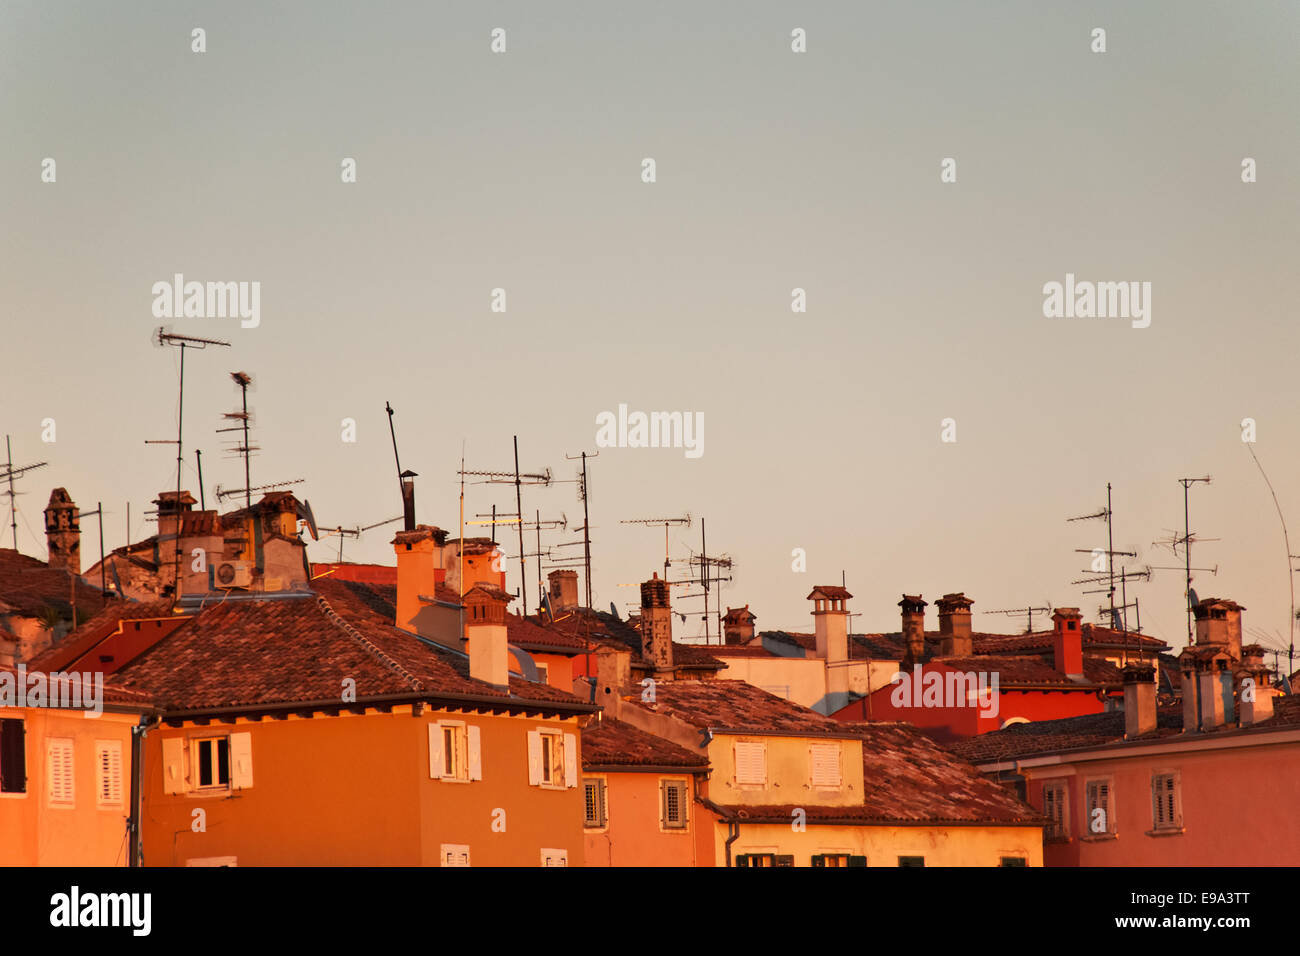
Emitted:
<point x="775" y="170"/>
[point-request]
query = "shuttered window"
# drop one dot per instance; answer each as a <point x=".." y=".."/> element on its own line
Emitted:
<point x="751" y="762"/>
<point x="1054" y="810"/>
<point x="911" y="861"/>
<point x="1166" y="811"/>
<point x="13" y="756"/>
<point x="593" y="791"/>
<point x="108" y="771"/>
<point x="455" y="854"/>
<point x="1097" y="797"/>
<point x="552" y="857"/>
<point x="212" y="763"/>
<point x="59" y="775"/>
<point x="826" y="771"/>
<point x="673" y="804"/>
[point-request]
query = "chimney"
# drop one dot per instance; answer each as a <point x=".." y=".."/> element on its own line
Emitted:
<point x="63" y="532"/>
<point x="1067" y="642"/>
<point x="1256" y="701"/>
<point x="738" y="625"/>
<point x="613" y="674"/>
<point x="913" y="606"/>
<point x="564" y="590"/>
<point x="419" y="556"/>
<point x="954" y="625"/>
<point x="485" y="633"/>
<point x="831" y="622"/>
<point x="1214" y="682"/>
<point x="1139" y="700"/>
<point x="657" y="625"/>
<point x="1219" y="622"/>
<point x="408" y="500"/>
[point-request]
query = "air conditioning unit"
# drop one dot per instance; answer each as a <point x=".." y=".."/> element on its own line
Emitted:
<point x="234" y="574"/>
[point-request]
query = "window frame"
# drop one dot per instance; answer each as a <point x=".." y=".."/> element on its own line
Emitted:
<point x="602" y="804"/>
<point x="52" y="799"/>
<point x="552" y="742"/>
<point x="7" y="728"/>
<point x="553" y="853"/>
<point x="736" y="764"/>
<point x="1175" y="824"/>
<point x="196" y="764"/>
<point x="838" y="751"/>
<point x="452" y="850"/>
<point x="682" y="785"/>
<point x="105" y="777"/>
<point x="1092" y="785"/>
<point x="1058" y="830"/>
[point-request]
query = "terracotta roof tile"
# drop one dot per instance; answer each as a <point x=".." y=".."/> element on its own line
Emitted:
<point x="737" y="706"/>
<point x="29" y="586"/>
<point x="612" y="743"/>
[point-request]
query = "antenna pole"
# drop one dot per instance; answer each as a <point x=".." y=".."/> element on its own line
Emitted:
<point x="519" y="510"/>
<point x="13" y="502"/>
<point x="704" y="578"/>
<point x="203" y="502"/>
<point x="248" y="481"/>
<point x="180" y="422"/>
<point x="586" y="530"/>
<point x="461" y="546"/>
<point x="1110" y="554"/>
<point x="538" y="521"/>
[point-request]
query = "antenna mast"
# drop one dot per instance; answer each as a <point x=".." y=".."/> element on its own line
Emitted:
<point x="11" y="473"/>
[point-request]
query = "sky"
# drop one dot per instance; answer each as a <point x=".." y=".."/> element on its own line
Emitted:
<point x="774" y="171"/>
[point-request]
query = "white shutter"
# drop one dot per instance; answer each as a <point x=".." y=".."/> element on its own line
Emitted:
<point x="751" y="762"/>
<point x="108" y="764"/>
<point x="59" y="776"/>
<point x="570" y="760"/>
<point x="241" y="761"/>
<point x="435" y="751"/>
<point x="173" y="764"/>
<point x="826" y="766"/>
<point x="534" y="758"/>
<point x="475" y="754"/>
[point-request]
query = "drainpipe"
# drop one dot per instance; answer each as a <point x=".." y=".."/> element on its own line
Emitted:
<point x="735" y="835"/>
<point x="137" y="787"/>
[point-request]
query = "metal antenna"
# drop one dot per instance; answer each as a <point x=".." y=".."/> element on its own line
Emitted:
<point x="242" y="379"/>
<point x="1021" y="611"/>
<point x="223" y="493"/>
<point x="684" y="521"/>
<point x="165" y="338"/>
<point x="99" y="513"/>
<point x="10" y="473"/>
<point x="1285" y="540"/>
<point x="583" y="494"/>
<point x="404" y="482"/>
<point x="1108" y="514"/>
<point x="1187" y="542"/>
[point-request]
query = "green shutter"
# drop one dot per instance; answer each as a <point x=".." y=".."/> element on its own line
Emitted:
<point x="742" y="860"/>
<point x="819" y="860"/>
<point x="857" y="861"/>
<point x="785" y="860"/>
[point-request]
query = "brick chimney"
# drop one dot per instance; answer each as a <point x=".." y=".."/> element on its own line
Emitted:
<point x="831" y="622"/>
<point x="485" y="632"/>
<point x="913" y="606"/>
<point x="1219" y="622"/>
<point x="564" y="590"/>
<point x="1067" y="641"/>
<point x="657" y="624"/>
<point x="1252" y="667"/>
<point x="1139" y="699"/>
<point x="738" y="625"/>
<point x="954" y="625"/>
<point x="419" y="572"/>
<point x="63" y="532"/>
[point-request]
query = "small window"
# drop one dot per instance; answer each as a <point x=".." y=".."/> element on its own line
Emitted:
<point x="1166" y="802"/>
<point x="756" y="859"/>
<point x="673" y="804"/>
<point x="911" y="861"/>
<point x="1054" y="809"/>
<point x="1012" y="861"/>
<point x="13" y="756"/>
<point x="455" y="854"/>
<point x="212" y="763"/>
<point x="593" y="790"/>
<point x="552" y="857"/>
<point x="59" y="777"/>
<point x="552" y="759"/>
<point x="108" y="767"/>
<point x="751" y="762"/>
<point x="826" y="769"/>
<point x="543" y="673"/>
<point x="1097" y="799"/>
<point x="831" y="859"/>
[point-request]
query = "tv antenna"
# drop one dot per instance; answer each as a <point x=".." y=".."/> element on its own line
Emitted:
<point x="357" y="532"/>
<point x="1108" y="515"/>
<point x="684" y="521"/>
<point x="518" y="479"/>
<point x="584" y="492"/>
<point x="1187" y="544"/>
<point x="1025" y="611"/>
<point x="243" y="380"/>
<point x="10" y="473"/>
<point x="164" y="339"/>
<point x="224" y="493"/>
<point x="1286" y="541"/>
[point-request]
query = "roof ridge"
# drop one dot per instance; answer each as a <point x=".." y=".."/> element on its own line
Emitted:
<point x="337" y="620"/>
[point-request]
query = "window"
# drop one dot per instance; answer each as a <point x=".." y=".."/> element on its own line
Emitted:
<point x="59" y="776"/>
<point x="1100" y="820"/>
<point x="764" y="859"/>
<point x="551" y="857"/>
<point x="543" y="673"/>
<point x="13" y="756"/>
<point x="108" y="768"/>
<point x="911" y="861"/>
<point x="673" y="800"/>
<point x="211" y="756"/>
<point x="455" y="752"/>
<point x="455" y="854"/>
<point x="1166" y="802"/>
<point x="825" y="760"/>
<point x="552" y="758"/>
<point x="1054" y="810"/>
<point x="751" y="762"/>
<point x="593" y="792"/>
<point x="1012" y="861"/>
<point x="838" y="859"/>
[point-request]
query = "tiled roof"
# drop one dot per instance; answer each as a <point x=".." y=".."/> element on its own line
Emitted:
<point x="90" y="633"/>
<point x="604" y="628"/>
<point x="244" y="654"/>
<point x="909" y="780"/>
<point x="29" y="586"/>
<point x="833" y="591"/>
<point x="612" y="743"/>
<point x="1031" y="670"/>
<point x="528" y="633"/>
<point x="1093" y="637"/>
<point x="737" y="706"/>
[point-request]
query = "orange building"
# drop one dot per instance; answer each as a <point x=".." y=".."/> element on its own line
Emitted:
<point x="65" y="775"/>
